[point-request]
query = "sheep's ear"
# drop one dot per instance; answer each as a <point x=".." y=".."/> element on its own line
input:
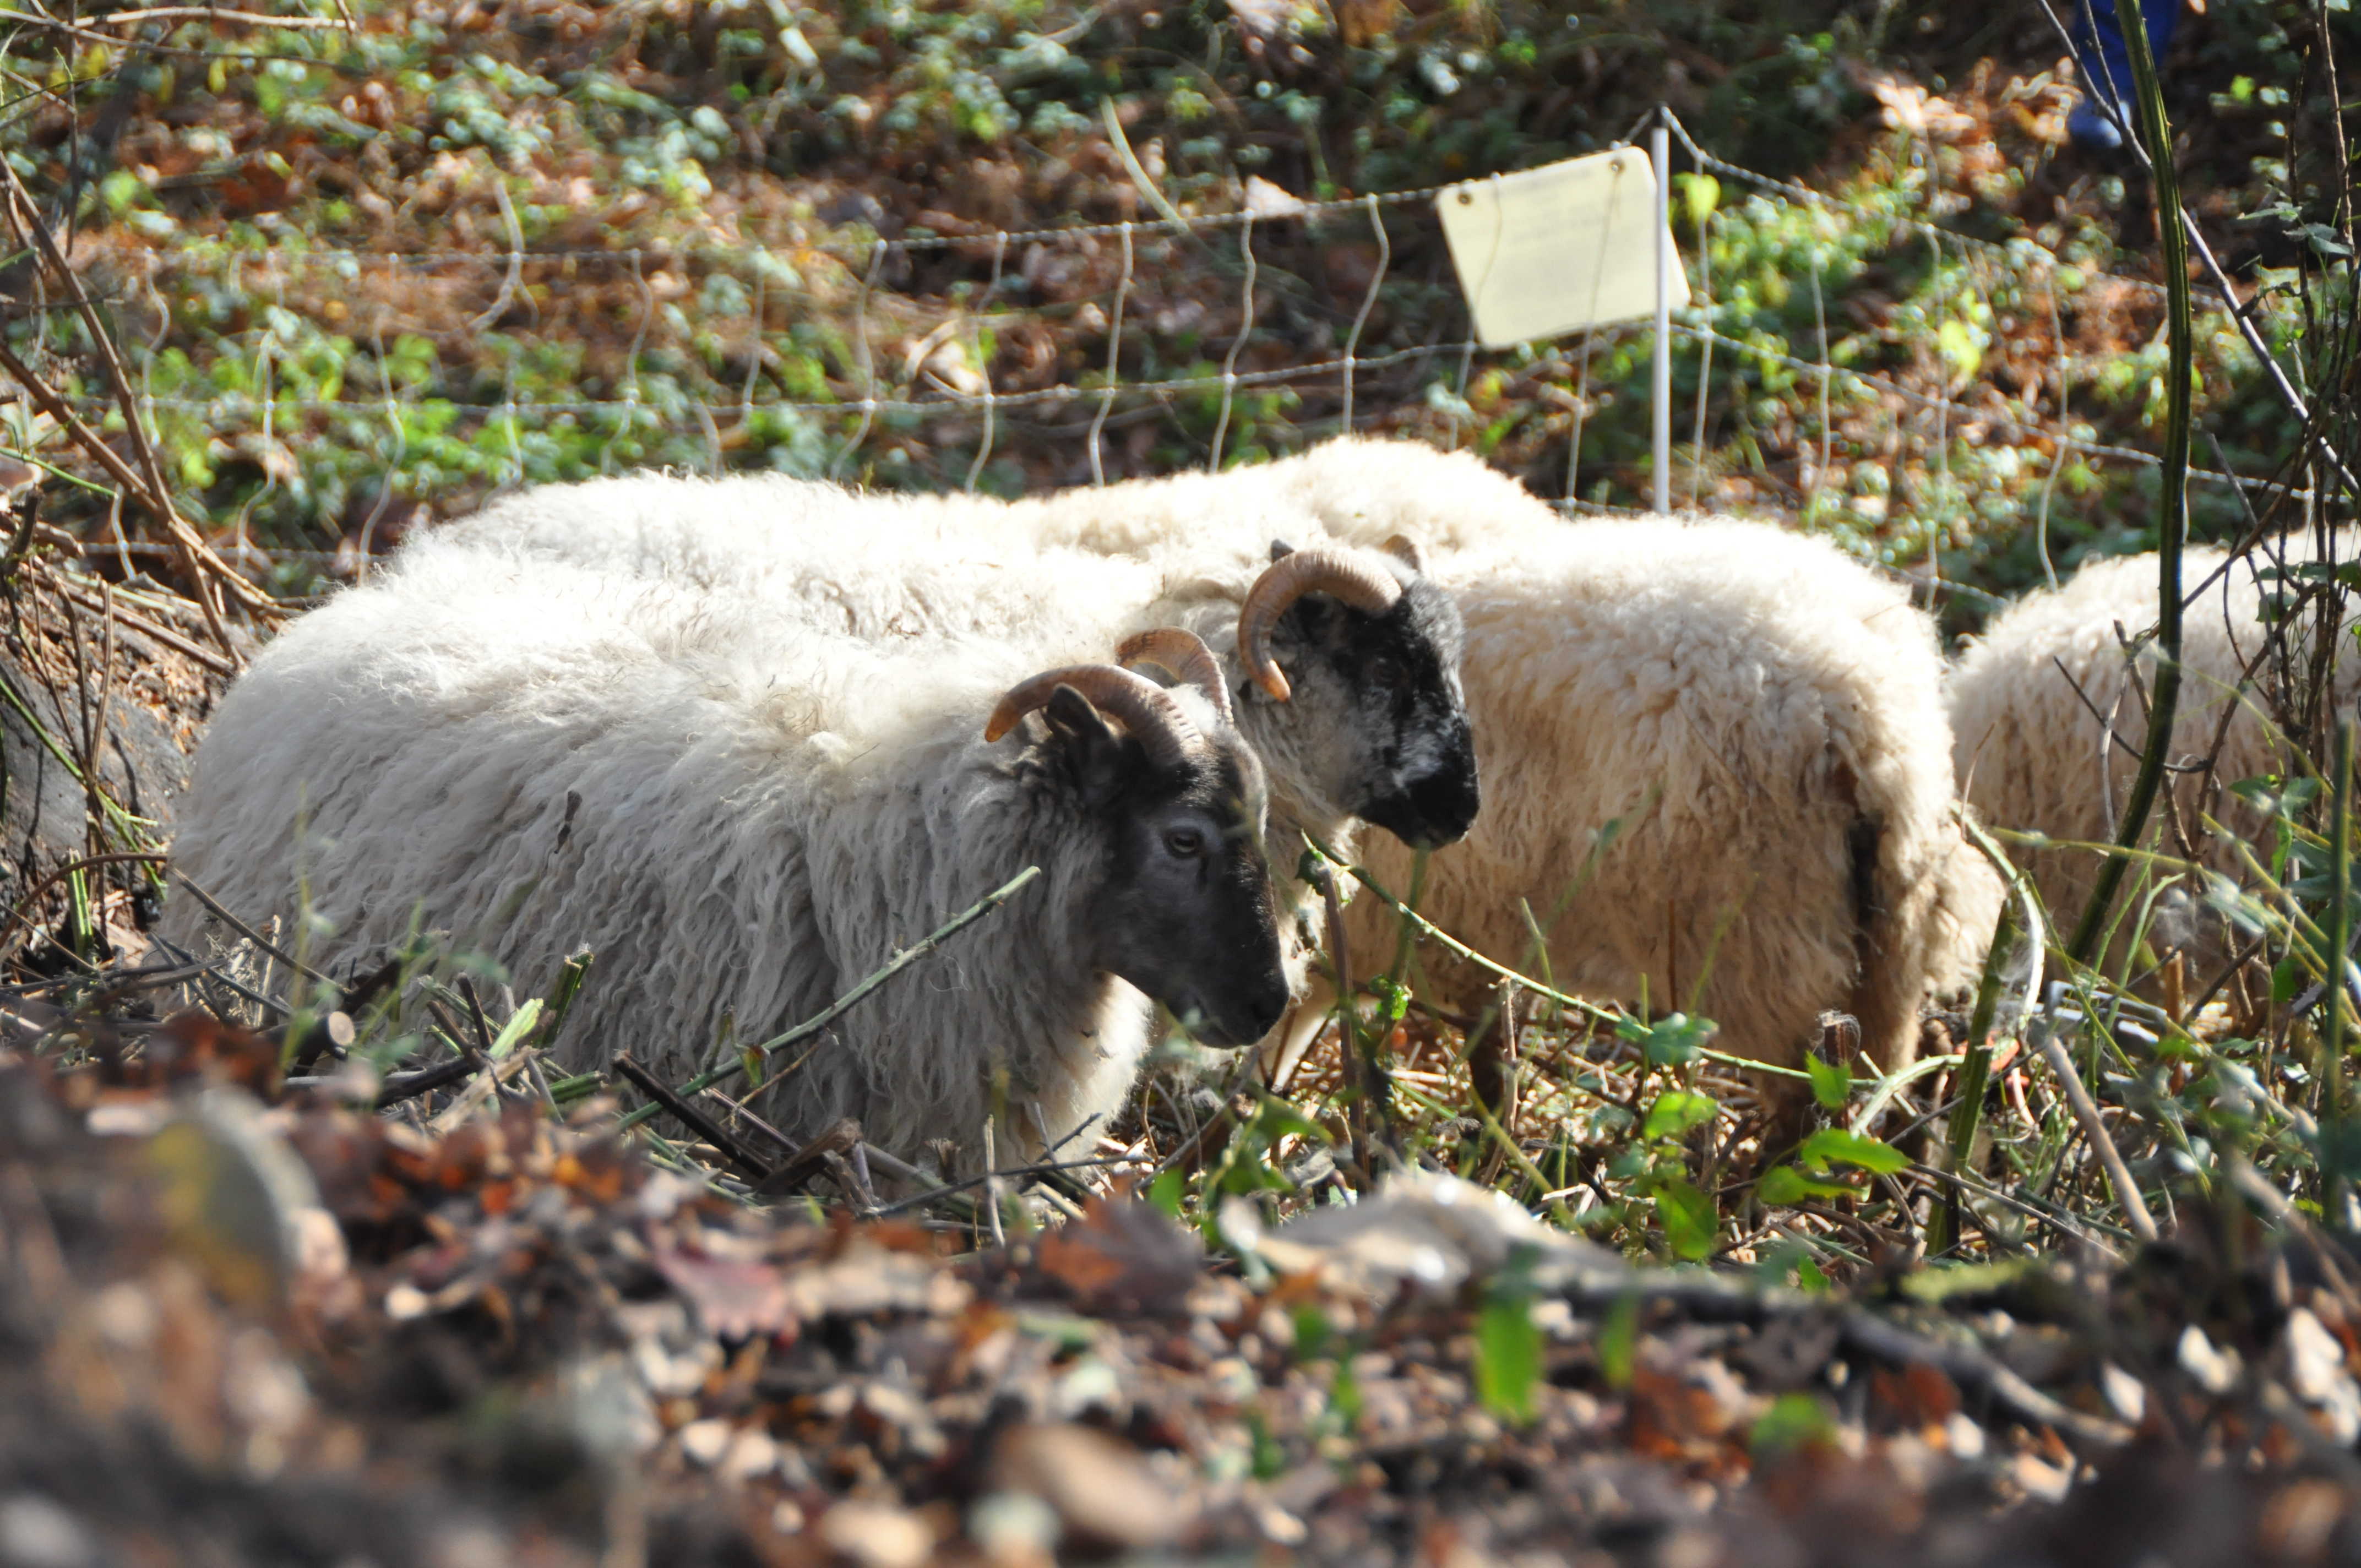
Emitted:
<point x="1091" y="746"/>
<point x="1403" y="548"/>
<point x="1280" y="549"/>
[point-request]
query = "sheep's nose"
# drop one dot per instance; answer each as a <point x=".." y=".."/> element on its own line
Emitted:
<point x="1268" y="1009"/>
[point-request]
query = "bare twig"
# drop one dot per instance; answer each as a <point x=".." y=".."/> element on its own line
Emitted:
<point x="425" y="1081"/>
<point x="499" y="305"/>
<point x="145" y="627"/>
<point x="246" y="931"/>
<point x="467" y="989"/>
<point x="992" y="1187"/>
<point x="1973" y="1368"/>
<point x="1014" y="1173"/>
<point x="2185" y="223"/>
<point x="185" y="541"/>
<point x="803" y="1164"/>
<point x="22" y="911"/>
<point x="2047" y="1215"/>
<point x="2086" y="1112"/>
<point x="1372" y="1115"/>
<point x="208" y="14"/>
<point x="894" y="966"/>
<point x="206" y="570"/>
<point x="689" y="1117"/>
<point x="66" y="29"/>
<point x="487" y="1084"/>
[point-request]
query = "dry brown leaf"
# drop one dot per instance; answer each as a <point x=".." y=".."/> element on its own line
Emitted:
<point x="1124" y="1252"/>
<point x="733" y="1298"/>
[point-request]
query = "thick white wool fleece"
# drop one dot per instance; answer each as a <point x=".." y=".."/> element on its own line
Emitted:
<point x="557" y="758"/>
<point x="1356" y="488"/>
<point x="902" y="569"/>
<point x="2028" y="751"/>
<point x="1742" y="700"/>
<point x="905" y="568"/>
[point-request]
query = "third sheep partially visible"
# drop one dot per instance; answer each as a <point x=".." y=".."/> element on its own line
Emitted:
<point x="2049" y="712"/>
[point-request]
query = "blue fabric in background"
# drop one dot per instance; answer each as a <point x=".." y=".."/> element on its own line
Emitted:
<point x="2105" y="62"/>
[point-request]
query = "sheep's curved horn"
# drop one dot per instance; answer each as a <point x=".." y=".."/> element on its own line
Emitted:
<point x="1185" y="654"/>
<point x="1147" y="709"/>
<point x="1347" y="575"/>
<point x="1404" y="549"/>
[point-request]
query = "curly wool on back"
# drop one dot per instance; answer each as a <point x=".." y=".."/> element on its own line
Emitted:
<point x="1776" y="765"/>
<point x="738" y="818"/>
<point x="2030" y="753"/>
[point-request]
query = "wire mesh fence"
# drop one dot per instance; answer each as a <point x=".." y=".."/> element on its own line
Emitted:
<point x="358" y="385"/>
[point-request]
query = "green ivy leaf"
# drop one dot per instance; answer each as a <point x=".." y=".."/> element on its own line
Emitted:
<point x="2288" y="978"/>
<point x="1700" y="194"/>
<point x="1788" y="1184"/>
<point x="1853" y="1148"/>
<point x="1831" y="1085"/>
<point x="1691" y="1227"/>
<point x="1672" y="1041"/>
<point x="1165" y="1190"/>
<point x="1507" y="1358"/>
<point x="1278" y="1119"/>
<point x="1311" y="1331"/>
<point x="1677" y="1111"/>
<point x="1619" y="1342"/>
<point x="1781" y="1187"/>
<point x="1345" y="1394"/>
<point x="1792" y="1421"/>
<point x="1959" y="347"/>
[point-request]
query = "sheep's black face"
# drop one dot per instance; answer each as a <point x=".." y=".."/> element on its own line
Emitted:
<point x="1185" y="909"/>
<point x="1406" y="760"/>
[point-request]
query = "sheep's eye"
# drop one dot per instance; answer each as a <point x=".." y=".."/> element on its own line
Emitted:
<point x="1384" y="670"/>
<point x="1185" y="843"/>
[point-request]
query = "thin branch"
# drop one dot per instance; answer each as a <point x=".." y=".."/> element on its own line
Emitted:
<point x="894" y="966"/>
<point x="185" y="541"/>
<point x="2183" y="223"/>
<point x="689" y="1117"/>
<point x="1098" y="1162"/>
<point x="2086" y="1112"/>
<point x="246" y="931"/>
<point x="66" y="29"/>
<point x="146" y="627"/>
<point x="205" y="569"/>
<point x="427" y="1080"/>
<point x="208" y="14"/>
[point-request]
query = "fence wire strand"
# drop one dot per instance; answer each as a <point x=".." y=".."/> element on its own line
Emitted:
<point x="971" y="321"/>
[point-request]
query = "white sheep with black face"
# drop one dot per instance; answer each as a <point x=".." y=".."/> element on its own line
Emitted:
<point x="1763" y="715"/>
<point x="2048" y="717"/>
<point x="743" y="819"/>
<point x="1776" y="758"/>
<point x="1343" y="663"/>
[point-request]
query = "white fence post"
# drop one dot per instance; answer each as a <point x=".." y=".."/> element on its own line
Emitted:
<point x="1660" y="155"/>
